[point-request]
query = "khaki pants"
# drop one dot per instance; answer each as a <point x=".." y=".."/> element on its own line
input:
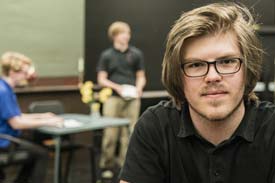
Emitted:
<point x="117" y="107"/>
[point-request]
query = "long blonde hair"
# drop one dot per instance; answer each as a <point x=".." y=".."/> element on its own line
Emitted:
<point x="209" y="19"/>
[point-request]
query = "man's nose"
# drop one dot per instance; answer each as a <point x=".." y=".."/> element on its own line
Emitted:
<point x="212" y="75"/>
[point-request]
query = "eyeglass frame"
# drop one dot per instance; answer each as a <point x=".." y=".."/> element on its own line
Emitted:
<point x="215" y="66"/>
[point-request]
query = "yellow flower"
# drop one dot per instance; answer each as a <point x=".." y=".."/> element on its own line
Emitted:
<point x="89" y="84"/>
<point x="86" y="91"/>
<point x="104" y="94"/>
<point x="89" y="96"/>
<point x="86" y="99"/>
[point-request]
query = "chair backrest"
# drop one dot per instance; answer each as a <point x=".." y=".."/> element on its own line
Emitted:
<point x="53" y="106"/>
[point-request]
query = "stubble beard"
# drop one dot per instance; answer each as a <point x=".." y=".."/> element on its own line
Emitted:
<point x="216" y="119"/>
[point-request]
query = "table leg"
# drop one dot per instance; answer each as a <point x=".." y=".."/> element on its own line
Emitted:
<point x="57" y="159"/>
<point x="93" y="165"/>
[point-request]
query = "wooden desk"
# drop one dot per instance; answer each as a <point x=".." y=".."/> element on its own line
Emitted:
<point x="88" y="124"/>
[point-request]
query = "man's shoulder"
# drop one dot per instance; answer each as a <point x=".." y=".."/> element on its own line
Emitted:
<point x="160" y="121"/>
<point x="164" y="105"/>
<point x="266" y="105"/>
<point x="160" y="114"/>
<point x="3" y="87"/>
<point x="265" y="110"/>
<point x="263" y="113"/>
<point x="135" y="50"/>
<point x="107" y="52"/>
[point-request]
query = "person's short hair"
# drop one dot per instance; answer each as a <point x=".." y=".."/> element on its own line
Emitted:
<point x="117" y="27"/>
<point x="13" y="61"/>
<point x="212" y="19"/>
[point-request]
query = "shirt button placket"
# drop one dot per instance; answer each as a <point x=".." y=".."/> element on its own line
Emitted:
<point x="216" y="168"/>
<point x="216" y="173"/>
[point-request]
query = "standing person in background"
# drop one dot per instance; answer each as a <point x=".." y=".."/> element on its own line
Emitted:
<point x="121" y="68"/>
<point x="214" y="129"/>
<point x="17" y="69"/>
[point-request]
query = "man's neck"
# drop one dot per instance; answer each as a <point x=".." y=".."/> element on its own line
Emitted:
<point x="218" y="131"/>
<point x="121" y="47"/>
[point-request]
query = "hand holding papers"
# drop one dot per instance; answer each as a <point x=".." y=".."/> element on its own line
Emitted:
<point x="129" y="92"/>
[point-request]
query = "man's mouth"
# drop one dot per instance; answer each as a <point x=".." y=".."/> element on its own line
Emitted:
<point x="216" y="93"/>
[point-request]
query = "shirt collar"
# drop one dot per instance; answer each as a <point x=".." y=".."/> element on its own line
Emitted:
<point x="186" y="126"/>
<point x="121" y="51"/>
<point x="245" y="130"/>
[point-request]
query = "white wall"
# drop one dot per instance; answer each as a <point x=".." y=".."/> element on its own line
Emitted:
<point x="51" y="32"/>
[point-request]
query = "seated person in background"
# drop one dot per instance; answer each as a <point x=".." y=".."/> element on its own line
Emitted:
<point x="215" y="129"/>
<point x="15" y="69"/>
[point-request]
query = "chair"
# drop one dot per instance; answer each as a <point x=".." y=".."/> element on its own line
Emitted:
<point x="55" y="107"/>
<point x="12" y="156"/>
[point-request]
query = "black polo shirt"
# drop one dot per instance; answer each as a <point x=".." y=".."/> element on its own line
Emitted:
<point x="121" y="66"/>
<point x="165" y="148"/>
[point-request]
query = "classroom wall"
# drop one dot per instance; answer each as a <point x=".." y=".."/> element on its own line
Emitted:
<point x="50" y="32"/>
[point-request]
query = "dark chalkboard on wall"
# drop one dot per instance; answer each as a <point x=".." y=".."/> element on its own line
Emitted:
<point x="150" y="21"/>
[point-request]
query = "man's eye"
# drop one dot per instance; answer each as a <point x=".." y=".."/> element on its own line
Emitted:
<point x="228" y="61"/>
<point x="195" y="65"/>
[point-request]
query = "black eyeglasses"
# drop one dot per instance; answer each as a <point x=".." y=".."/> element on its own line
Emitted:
<point x="222" y="66"/>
